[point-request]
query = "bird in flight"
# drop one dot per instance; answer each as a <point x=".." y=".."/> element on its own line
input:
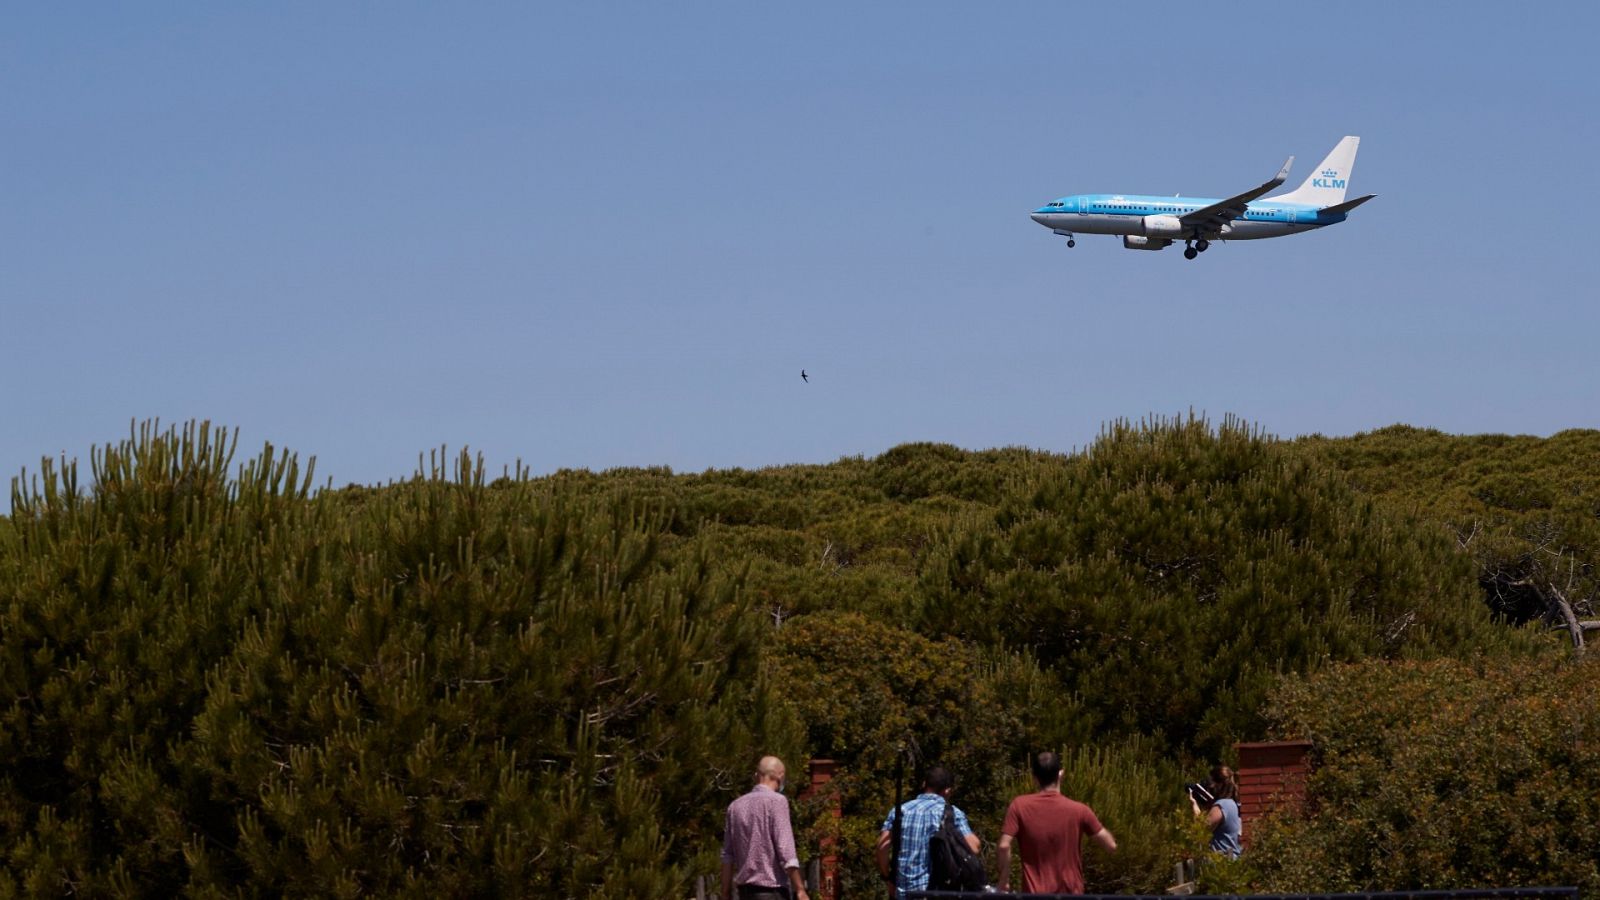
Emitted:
<point x="803" y="376"/>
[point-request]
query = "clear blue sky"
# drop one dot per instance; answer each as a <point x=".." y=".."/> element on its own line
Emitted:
<point x="592" y="235"/>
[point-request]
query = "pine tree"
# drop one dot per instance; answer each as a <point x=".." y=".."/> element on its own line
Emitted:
<point x="224" y="683"/>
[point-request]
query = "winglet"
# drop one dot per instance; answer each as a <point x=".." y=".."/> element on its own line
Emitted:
<point x="1347" y="205"/>
<point x="1283" y="173"/>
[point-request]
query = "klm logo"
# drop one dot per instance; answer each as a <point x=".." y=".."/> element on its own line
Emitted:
<point x="1329" y="178"/>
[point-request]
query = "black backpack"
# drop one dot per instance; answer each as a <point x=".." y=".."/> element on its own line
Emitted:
<point x="952" y="866"/>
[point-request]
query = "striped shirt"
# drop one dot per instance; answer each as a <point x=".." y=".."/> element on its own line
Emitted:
<point x="758" y="840"/>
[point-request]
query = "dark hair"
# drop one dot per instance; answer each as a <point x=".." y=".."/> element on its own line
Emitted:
<point x="1047" y="768"/>
<point x="938" y="779"/>
<point x="1223" y="786"/>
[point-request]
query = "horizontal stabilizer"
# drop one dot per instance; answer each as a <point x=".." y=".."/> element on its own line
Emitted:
<point x="1347" y="205"/>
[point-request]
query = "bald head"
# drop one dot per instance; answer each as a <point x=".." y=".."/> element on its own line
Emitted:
<point x="770" y="772"/>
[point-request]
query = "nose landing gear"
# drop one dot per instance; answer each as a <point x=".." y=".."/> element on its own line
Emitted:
<point x="1068" y="236"/>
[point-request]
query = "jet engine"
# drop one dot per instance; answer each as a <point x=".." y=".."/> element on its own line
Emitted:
<point x="1139" y="242"/>
<point x="1166" y="226"/>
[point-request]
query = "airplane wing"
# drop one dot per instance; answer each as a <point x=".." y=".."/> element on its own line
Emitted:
<point x="1213" y="217"/>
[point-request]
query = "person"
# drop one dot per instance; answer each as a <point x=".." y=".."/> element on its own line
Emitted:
<point x="1223" y="812"/>
<point x="1048" y="828"/>
<point x="758" y="856"/>
<point x="923" y="815"/>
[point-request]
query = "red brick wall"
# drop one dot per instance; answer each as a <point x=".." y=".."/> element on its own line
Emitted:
<point x="1271" y="776"/>
<point x="822" y="772"/>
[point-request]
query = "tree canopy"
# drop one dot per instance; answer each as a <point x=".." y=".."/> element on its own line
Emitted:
<point x="1492" y="787"/>
<point x="217" y="680"/>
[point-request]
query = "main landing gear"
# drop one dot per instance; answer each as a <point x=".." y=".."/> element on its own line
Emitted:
<point x="1195" y="248"/>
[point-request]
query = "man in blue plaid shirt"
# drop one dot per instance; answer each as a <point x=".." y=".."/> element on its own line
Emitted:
<point x="922" y="817"/>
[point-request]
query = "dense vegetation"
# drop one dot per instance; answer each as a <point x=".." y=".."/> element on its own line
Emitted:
<point x="1494" y="786"/>
<point x="219" y="685"/>
<point x="217" y="681"/>
<point x="1525" y="510"/>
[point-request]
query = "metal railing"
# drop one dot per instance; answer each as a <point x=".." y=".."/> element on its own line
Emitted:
<point x="1464" y="894"/>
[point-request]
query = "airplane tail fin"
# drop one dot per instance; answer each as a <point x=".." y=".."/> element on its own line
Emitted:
<point x="1326" y="185"/>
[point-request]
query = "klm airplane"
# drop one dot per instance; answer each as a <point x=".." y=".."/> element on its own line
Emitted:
<point x="1151" y="223"/>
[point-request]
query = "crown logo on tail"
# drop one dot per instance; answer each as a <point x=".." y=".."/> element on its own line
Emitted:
<point x="1328" y="178"/>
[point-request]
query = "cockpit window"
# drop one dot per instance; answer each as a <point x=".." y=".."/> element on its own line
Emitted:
<point x="1057" y="203"/>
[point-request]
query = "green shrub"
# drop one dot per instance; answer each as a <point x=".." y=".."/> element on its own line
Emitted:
<point x="219" y="684"/>
<point x="1135" y="793"/>
<point x="1523" y="509"/>
<point x="866" y="690"/>
<point x="1441" y="774"/>
<point x="216" y="681"/>
<point x="1173" y="574"/>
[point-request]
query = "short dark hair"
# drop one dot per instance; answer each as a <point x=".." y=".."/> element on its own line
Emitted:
<point x="1047" y="767"/>
<point x="938" y="779"/>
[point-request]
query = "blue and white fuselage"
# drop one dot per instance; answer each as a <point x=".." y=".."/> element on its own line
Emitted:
<point x="1128" y="214"/>
<point x="1151" y="223"/>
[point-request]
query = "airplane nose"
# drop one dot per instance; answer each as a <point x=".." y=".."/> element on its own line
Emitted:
<point x="1040" y="218"/>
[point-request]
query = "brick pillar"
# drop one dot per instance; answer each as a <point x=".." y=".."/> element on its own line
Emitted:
<point x="1271" y="776"/>
<point x="821" y="772"/>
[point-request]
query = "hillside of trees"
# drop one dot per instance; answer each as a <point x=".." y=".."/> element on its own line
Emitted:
<point x="216" y="680"/>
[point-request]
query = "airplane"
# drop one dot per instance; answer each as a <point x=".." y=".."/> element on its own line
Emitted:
<point x="1152" y="223"/>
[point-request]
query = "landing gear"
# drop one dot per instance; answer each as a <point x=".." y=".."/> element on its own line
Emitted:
<point x="1190" y="252"/>
<point x="1068" y="236"/>
<point x="1202" y="244"/>
<point x="1071" y="243"/>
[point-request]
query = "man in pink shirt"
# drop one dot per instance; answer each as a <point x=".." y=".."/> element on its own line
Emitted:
<point x="1049" y="829"/>
<point x="758" y="856"/>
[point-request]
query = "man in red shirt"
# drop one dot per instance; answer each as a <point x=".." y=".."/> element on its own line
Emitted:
<point x="1049" y="829"/>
